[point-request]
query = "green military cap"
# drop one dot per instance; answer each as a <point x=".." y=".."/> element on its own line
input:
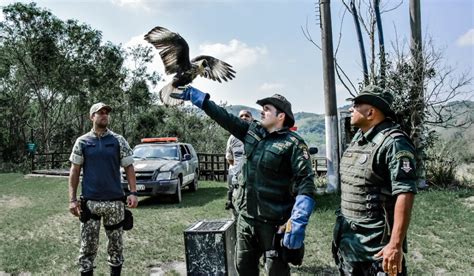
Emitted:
<point x="377" y="97"/>
<point x="282" y="104"/>
<point x="98" y="106"/>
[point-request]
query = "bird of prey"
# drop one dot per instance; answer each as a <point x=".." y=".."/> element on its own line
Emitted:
<point x="174" y="52"/>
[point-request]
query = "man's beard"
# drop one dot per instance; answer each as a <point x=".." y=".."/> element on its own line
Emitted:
<point x="102" y="124"/>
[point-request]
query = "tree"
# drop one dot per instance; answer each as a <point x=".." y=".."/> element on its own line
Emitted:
<point x="405" y="75"/>
<point x="52" y="62"/>
<point x="52" y="71"/>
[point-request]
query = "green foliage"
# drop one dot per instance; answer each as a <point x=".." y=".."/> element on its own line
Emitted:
<point x="441" y="164"/>
<point x="52" y="71"/>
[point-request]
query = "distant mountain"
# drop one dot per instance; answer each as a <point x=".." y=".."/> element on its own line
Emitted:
<point x="235" y="109"/>
<point x="311" y="126"/>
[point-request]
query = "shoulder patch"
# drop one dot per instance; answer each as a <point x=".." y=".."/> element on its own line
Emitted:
<point x="303" y="146"/>
<point x="406" y="165"/>
<point x="404" y="154"/>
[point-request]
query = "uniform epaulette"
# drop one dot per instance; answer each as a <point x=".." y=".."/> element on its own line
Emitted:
<point x="397" y="133"/>
<point x="295" y="137"/>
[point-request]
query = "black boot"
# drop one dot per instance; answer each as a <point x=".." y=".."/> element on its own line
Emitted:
<point x="115" y="270"/>
<point x="88" y="273"/>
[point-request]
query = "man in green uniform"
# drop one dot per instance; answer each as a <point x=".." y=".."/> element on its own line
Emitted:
<point x="275" y="186"/>
<point x="378" y="185"/>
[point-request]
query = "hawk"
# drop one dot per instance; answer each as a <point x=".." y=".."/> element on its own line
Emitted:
<point x="174" y="52"/>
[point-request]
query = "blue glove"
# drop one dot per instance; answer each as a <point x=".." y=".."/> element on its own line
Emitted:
<point x="295" y="227"/>
<point x="192" y="94"/>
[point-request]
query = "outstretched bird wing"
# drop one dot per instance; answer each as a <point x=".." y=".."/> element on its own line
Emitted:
<point x="216" y="69"/>
<point x="174" y="49"/>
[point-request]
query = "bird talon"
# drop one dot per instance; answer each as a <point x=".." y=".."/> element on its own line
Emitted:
<point x="183" y="87"/>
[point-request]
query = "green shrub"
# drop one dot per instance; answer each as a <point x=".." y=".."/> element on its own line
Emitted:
<point x="441" y="164"/>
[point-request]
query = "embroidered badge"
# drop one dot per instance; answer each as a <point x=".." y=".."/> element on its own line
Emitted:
<point x="305" y="153"/>
<point x="363" y="158"/>
<point x="406" y="165"/>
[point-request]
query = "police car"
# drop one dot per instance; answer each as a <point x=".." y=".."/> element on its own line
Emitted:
<point x="163" y="166"/>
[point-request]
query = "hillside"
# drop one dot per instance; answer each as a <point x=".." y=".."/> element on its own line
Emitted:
<point x="311" y="126"/>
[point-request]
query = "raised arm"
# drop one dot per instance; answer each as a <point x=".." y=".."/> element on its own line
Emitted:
<point x="229" y="122"/>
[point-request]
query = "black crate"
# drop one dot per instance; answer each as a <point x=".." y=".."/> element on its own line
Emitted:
<point x="210" y="247"/>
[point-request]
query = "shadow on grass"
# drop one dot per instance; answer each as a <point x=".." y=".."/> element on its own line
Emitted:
<point x="315" y="270"/>
<point x="201" y="197"/>
<point x="327" y="202"/>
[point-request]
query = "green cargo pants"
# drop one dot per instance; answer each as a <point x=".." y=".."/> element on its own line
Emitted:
<point x="254" y="238"/>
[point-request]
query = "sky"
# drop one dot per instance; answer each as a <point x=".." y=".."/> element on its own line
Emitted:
<point x="264" y="42"/>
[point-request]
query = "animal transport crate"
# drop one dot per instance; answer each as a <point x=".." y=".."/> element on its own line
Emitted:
<point x="210" y="247"/>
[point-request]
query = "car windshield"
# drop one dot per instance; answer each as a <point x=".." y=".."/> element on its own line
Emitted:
<point x="156" y="152"/>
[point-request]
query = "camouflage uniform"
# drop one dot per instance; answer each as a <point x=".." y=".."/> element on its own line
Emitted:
<point x="276" y="168"/>
<point x="112" y="212"/>
<point x="101" y="187"/>
<point x="234" y="151"/>
<point x="377" y="166"/>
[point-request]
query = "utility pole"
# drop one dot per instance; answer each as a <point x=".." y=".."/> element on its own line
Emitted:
<point x="417" y="90"/>
<point x="332" y="145"/>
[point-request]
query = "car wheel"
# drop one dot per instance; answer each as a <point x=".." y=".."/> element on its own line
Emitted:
<point x="194" y="185"/>
<point x="177" y="194"/>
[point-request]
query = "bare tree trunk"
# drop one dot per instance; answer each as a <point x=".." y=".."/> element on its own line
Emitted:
<point x="361" y="42"/>
<point x="383" y="63"/>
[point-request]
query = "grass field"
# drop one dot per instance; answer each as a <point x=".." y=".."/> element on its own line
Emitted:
<point x="38" y="235"/>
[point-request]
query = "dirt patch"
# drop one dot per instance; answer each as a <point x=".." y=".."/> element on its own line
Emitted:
<point x="9" y="202"/>
<point x="174" y="268"/>
<point x="59" y="227"/>
<point x="469" y="202"/>
<point x="3" y="273"/>
<point x="417" y="256"/>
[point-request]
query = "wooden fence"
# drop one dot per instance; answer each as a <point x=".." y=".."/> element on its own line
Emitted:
<point x="50" y="161"/>
<point x="212" y="166"/>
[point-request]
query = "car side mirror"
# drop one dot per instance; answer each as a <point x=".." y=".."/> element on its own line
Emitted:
<point x="313" y="150"/>
<point x="187" y="157"/>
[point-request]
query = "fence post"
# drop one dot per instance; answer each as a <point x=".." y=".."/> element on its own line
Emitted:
<point x="32" y="161"/>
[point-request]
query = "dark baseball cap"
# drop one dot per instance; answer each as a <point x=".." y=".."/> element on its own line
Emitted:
<point x="282" y="104"/>
<point x="377" y="97"/>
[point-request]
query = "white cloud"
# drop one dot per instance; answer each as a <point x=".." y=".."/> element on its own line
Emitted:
<point x="273" y="87"/>
<point x="156" y="64"/>
<point x="135" y="4"/>
<point x="136" y="40"/>
<point x="236" y="53"/>
<point x="466" y="39"/>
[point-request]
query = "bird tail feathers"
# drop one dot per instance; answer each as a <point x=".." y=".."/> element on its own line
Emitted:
<point x="165" y="95"/>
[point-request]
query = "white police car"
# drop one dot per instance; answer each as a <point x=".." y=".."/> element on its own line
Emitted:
<point x="163" y="166"/>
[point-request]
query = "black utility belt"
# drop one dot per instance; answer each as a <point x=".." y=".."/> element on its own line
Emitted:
<point x="104" y="200"/>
